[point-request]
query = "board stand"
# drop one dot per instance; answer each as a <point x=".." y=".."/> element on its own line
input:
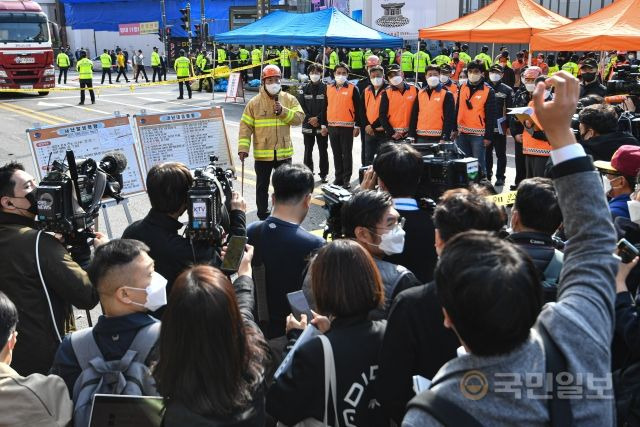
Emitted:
<point x="236" y="91"/>
<point x="105" y="213"/>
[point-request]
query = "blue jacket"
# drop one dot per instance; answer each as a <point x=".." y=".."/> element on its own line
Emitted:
<point x="618" y="206"/>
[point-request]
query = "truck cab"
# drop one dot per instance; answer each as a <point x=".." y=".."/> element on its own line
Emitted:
<point x="26" y="53"/>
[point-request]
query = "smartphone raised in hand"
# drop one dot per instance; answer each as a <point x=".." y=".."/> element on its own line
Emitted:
<point x="234" y="254"/>
<point x="627" y="251"/>
<point x="299" y="305"/>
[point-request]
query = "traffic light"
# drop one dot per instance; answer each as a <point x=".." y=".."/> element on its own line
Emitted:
<point x="160" y="35"/>
<point x="186" y="18"/>
<point x="197" y="34"/>
<point x="205" y="31"/>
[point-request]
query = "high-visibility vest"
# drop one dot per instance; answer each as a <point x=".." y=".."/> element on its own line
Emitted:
<point x="85" y="69"/>
<point x="464" y="56"/>
<point x="486" y="59"/>
<point x="454" y="89"/>
<point x="430" y="112"/>
<point x="256" y="56"/>
<point x="340" y="109"/>
<point x="406" y="61"/>
<point x="391" y="54"/>
<point x="440" y="60"/>
<point x="400" y="107"/>
<point x="532" y="146"/>
<point x="372" y="104"/>
<point x="457" y="69"/>
<point x="182" y="65"/>
<point x="571" y="67"/>
<point x="421" y="60"/>
<point x="244" y="54"/>
<point x="222" y="55"/>
<point x="105" y="60"/>
<point x="199" y="60"/>
<point x="356" y="60"/>
<point x="334" y="60"/>
<point x="284" y="58"/>
<point x="62" y="60"/>
<point x="155" y="59"/>
<point x="472" y="121"/>
<point x="553" y="70"/>
<point x="367" y="54"/>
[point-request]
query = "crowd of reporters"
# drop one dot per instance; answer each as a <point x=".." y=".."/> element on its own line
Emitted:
<point x="410" y="290"/>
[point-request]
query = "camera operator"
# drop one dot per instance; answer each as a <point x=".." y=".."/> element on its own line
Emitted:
<point x="418" y="254"/>
<point x="535" y="218"/>
<point x="66" y="283"/>
<point x="590" y="83"/>
<point x="167" y="187"/>
<point x="599" y="133"/>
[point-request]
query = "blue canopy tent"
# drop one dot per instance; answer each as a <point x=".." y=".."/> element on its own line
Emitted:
<point x="328" y="27"/>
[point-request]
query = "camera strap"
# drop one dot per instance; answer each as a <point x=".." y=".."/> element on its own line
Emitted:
<point x="44" y="287"/>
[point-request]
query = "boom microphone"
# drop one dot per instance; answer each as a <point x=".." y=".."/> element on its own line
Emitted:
<point x="113" y="163"/>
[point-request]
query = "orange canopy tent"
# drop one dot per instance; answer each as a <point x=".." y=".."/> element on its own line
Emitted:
<point x="503" y="21"/>
<point x="615" y="27"/>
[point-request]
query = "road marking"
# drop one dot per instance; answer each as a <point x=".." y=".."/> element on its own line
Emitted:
<point x="38" y="118"/>
<point x="137" y="107"/>
<point x="39" y="113"/>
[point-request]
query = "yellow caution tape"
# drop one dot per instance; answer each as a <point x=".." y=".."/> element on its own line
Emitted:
<point x="504" y="199"/>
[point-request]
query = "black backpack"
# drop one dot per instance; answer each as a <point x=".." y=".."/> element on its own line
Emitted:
<point x="626" y="387"/>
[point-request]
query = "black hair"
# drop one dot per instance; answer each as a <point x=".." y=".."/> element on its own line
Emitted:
<point x="602" y="118"/>
<point x="491" y="291"/>
<point x="399" y="166"/>
<point x="8" y="318"/>
<point x="432" y="68"/>
<point x="342" y="65"/>
<point x="461" y="210"/>
<point x="537" y="204"/>
<point x="364" y="209"/>
<point x="292" y="183"/>
<point x="314" y="67"/>
<point x="167" y="187"/>
<point x="114" y="253"/>
<point x="7" y="184"/>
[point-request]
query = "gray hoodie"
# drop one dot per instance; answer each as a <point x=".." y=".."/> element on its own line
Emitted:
<point x="580" y="323"/>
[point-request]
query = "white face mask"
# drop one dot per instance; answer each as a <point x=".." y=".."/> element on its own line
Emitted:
<point x="606" y="184"/>
<point x="156" y="293"/>
<point x="273" y="88"/>
<point x="392" y="243"/>
<point x="396" y="80"/>
<point x="631" y="57"/>
<point x="462" y="81"/>
<point x="377" y="81"/>
<point x="530" y="86"/>
<point x="475" y="78"/>
<point x="315" y="77"/>
<point x="634" y="211"/>
<point x="444" y="79"/>
<point x="495" y="77"/>
<point x="433" y="81"/>
<point x="340" y="79"/>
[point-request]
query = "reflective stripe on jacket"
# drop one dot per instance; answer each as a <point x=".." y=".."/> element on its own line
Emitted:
<point x="431" y="112"/>
<point x="472" y="121"/>
<point x="400" y="107"/>
<point x="62" y="60"/>
<point x="105" y="60"/>
<point x="271" y="134"/>
<point x="182" y="66"/>
<point x="532" y="146"/>
<point x="85" y="68"/>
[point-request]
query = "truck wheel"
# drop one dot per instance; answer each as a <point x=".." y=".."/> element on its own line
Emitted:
<point x="45" y="93"/>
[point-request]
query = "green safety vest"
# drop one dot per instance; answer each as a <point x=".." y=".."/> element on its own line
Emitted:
<point x="105" y="60"/>
<point x="440" y="60"/>
<point x="406" y="61"/>
<point x="199" y="60"/>
<point x="553" y="70"/>
<point x="155" y="59"/>
<point x="391" y="54"/>
<point x="486" y="59"/>
<point x="182" y="65"/>
<point x="422" y="59"/>
<point x="368" y="53"/>
<point x="63" y="60"/>
<point x="85" y="68"/>
<point x="333" y="60"/>
<point x="244" y="54"/>
<point x="284" y="58"/>
<point x="356" y="59"/>
<point x="571" y="67"/>
<point x="464" y="57"/>
<point x="256" y="56"/>
<point x="222" y="55"/>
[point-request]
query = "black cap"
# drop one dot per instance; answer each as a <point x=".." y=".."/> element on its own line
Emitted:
<point x="445" y="67"/>
<point x="496" y="67"/>
<point x="393" y="68"/>
<point x="589" y="62"/>
<point x="505" y="54"/>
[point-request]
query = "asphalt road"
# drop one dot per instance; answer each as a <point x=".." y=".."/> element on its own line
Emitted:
<point x="19" y="112"/>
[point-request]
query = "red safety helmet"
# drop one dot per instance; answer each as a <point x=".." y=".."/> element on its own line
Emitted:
<point x="271" y="71"/>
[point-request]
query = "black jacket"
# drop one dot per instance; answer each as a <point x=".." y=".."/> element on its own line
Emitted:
<point x="509" y="77"/>
<point x="593" y="88"/>
<point x="415" y="343"/>
<point x="602" y="147"/>
<point x="540" y="248"/>
<point x="490" y="116"/>
<point x="299" y="392"/>
<point x="66" y="283"/>
<point x="504" y="99"/>
<point x="172" y="252"/>
<point x="449" y="118"/>
<point x="313" y="100"/>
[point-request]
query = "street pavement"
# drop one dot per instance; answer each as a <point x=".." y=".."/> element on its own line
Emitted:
<point x="20" y="112"/>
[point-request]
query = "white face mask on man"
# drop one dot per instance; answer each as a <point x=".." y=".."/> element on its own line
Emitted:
<point x="340" y="79"/>
<point x="474" y="78"/>
<point x="396" y="80"/>
<point x="273" y="88"/>
<point x="315" y="78"/>
<point x="433" y="81"/>
<point x="156" y="293"/>
<point x="606" y="184"/>
<point x="444" y="78"/>
<point x="392" y="242"/>
<point x="377" y="81"/>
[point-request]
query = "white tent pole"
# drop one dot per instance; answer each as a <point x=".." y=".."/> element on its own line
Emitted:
<point x="324" y="53"/>
<point x="416" y="61"/>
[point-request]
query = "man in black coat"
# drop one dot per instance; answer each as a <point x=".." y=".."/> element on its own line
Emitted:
<point x="599" y="133"/>
<point x="313" y="101"/>
<point x="504" y="101"/>
<point x="590" y="84"/>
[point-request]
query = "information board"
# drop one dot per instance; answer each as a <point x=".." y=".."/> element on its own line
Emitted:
<point x="188" y="137"/>
<point x="235" y="87"/>
<point x="88" y="139"/>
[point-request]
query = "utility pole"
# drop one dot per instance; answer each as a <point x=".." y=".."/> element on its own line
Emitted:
<point x="165" y="40"/>
<point x="203" y="26"/>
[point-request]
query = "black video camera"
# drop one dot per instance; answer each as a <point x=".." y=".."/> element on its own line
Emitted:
<point x="69" y="197"/>
<point x="334" y="197"/>
<point x="445" y="167"/>
<point x="626" y="81"/>
<point x="209" y="202"/>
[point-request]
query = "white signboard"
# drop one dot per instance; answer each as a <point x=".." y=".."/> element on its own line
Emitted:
<point x="403" y="18"/>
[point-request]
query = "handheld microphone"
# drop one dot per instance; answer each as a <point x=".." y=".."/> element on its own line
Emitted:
<point x="275" y="98"/>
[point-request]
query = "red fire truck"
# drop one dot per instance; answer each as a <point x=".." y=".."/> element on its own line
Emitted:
<point x="26" y="53"/>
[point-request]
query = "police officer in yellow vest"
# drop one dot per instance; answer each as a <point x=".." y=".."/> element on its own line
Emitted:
<point x="221" y="56"/>
<point x="356" y="63"/>
<point x="182" y="65"/>
<point x="85" y="71"/>
<point x="105" y="61"/>
<point x="406" y="62"/>
<point x="571" y="66"/>
<point x="243" y="55"/>
<point x="285" y="62"/>
<point x="256" y="59"/>
<point x="155" y="64"/>
<point x="62" y="60"/>
<point x="421" y="60"/>
<point x="334" y="59"/>
<point x="484" y="57"/>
